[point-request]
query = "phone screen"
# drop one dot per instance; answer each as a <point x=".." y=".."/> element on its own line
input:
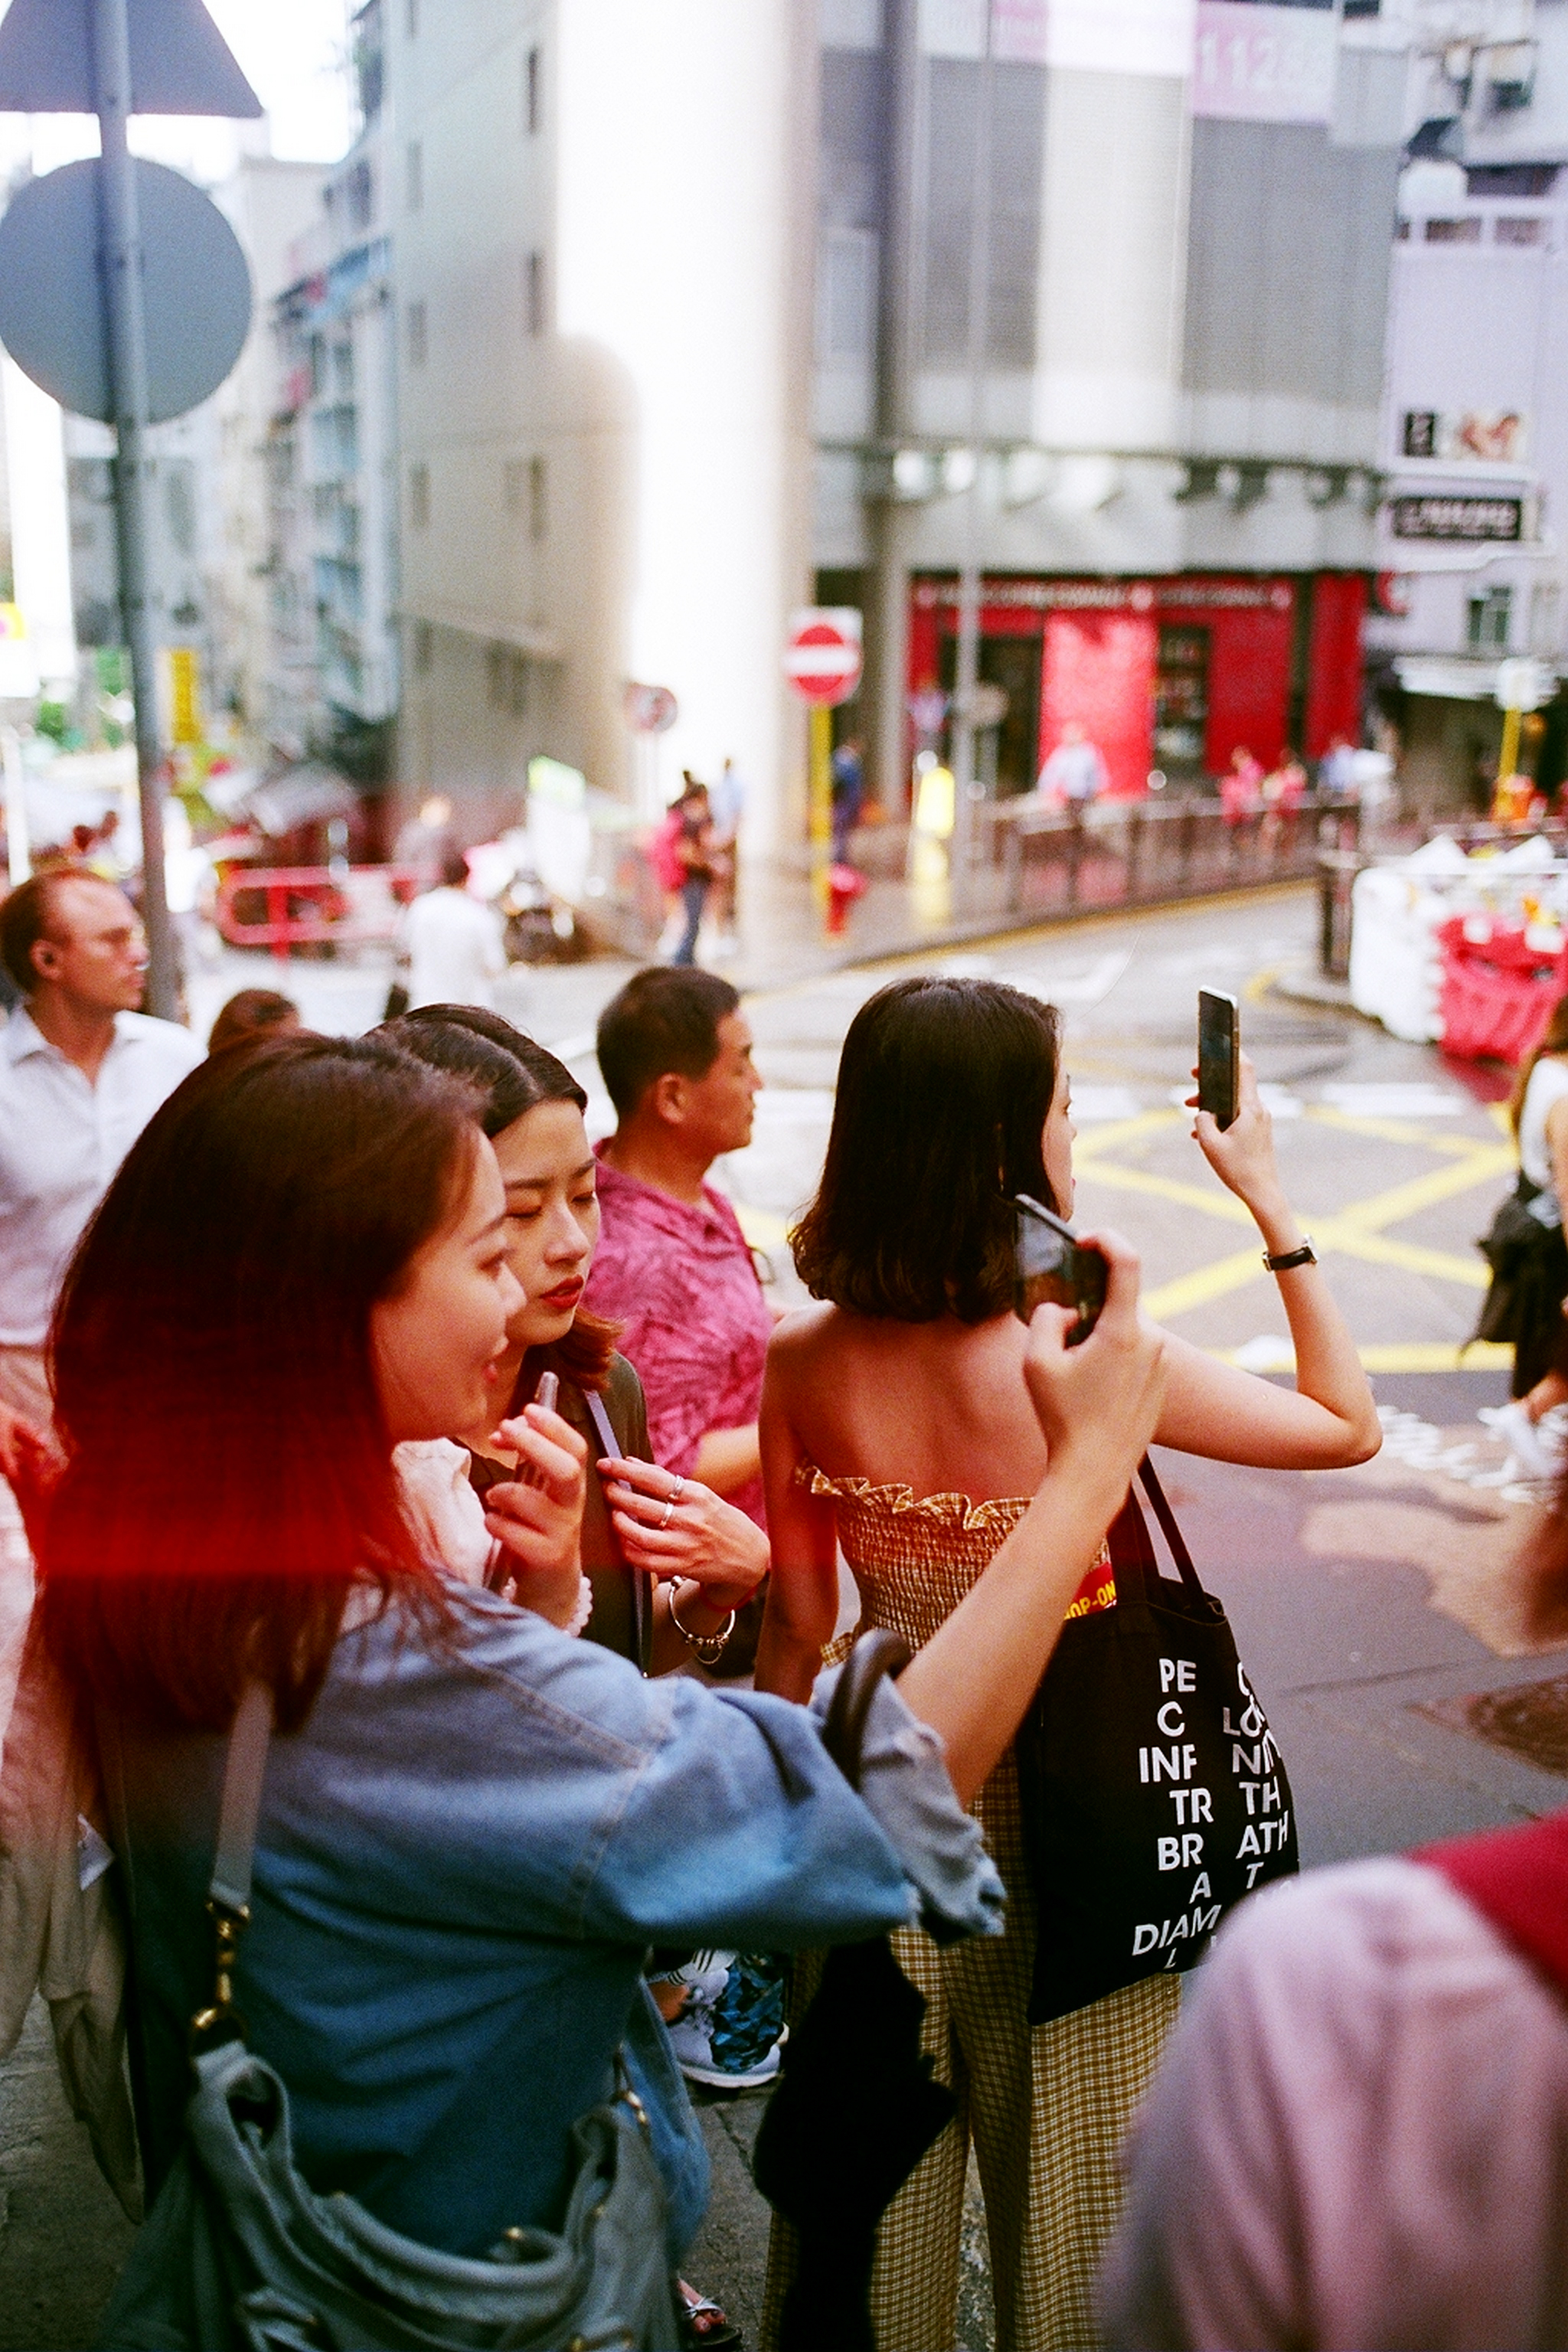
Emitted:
<point x="1219" y="1055"/>
<point x="1052" y="1267"/>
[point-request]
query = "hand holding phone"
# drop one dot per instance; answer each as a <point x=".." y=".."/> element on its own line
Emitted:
<point x="1052" y="1267"/>
<point x="1219" y="1056"/>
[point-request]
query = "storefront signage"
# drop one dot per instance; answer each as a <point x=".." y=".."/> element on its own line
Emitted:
<point x="1253" y="63"/>
<point x="1496" y="436"/>
<point x="1460" y="518"/>
<point x="1116" y="595"/>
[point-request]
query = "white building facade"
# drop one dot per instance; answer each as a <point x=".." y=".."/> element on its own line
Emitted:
<point x="605" y="258"/>
<point x="1473" y="565"/>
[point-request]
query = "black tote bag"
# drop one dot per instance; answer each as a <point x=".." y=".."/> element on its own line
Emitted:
<point x="1154" y="1798"/>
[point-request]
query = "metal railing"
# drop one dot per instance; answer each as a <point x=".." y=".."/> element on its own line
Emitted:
<point x="1137" y="853"/>
<point x="311" y="905"/>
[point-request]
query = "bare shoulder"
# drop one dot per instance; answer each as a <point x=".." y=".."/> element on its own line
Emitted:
<point x="798" y="1338"/>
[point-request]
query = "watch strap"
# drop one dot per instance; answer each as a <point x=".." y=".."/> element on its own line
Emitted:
<point x="1305" y="1256"/>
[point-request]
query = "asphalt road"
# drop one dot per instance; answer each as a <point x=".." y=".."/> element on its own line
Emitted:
<point x="1368" y="1604"/>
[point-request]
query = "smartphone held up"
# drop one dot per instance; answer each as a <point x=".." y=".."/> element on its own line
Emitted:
<point x="1051" y="1266"/>
<point x="1219" y="1056"/>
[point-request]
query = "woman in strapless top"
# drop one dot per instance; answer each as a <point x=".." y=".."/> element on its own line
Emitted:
<point x="895" y="1426"/>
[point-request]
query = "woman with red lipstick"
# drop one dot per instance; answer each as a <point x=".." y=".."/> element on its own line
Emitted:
<point x="694" y="1558"/>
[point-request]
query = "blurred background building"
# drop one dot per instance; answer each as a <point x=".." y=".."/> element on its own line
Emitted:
<point x="1218" y="336"/>
<point x="1475" y="433"/>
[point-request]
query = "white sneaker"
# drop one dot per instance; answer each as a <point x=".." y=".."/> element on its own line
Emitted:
<point x="746" y="2059"/>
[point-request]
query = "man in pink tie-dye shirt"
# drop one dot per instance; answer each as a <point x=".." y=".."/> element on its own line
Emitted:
<point x="672" y="1264"/>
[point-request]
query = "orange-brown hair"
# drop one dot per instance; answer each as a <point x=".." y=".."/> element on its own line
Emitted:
<point x="1555" y="1040"/>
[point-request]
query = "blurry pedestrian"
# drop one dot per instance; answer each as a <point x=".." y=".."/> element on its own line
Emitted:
<point x="254" y="1012"/>
<point x="81" y="1072"/>
<point x="1336" y="770"/>
<point x="698" y="859"/>
<point x="891" y="1430"/>
<point x="673" y="1266"/>
<point x="726" y="801"/>
<point x="1529" y="1255"/>
<point x="1076" y="771"/>
<point x="424" y="846"/>
<point x="454" y="944"/>
<point x="848" y="773"/>
<point x="1240" y="787"/>
<point x="1357" y="2138"/>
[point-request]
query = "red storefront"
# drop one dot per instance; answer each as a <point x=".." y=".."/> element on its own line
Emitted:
<point x="1171" y="673"/>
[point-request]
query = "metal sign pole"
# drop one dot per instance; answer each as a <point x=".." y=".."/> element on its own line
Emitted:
<point x="967" y="651"/>
<point x="128" y="369"/>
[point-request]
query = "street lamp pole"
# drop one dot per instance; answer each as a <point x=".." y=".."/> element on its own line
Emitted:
<point x="967" y="665"/>
<point x="122" y="290"/>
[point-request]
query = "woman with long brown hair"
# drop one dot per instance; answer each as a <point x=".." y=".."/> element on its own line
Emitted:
<point x="470" y="1827"/>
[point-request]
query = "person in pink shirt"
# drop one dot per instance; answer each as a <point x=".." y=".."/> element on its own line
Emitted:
<point x="673" y="1266"/>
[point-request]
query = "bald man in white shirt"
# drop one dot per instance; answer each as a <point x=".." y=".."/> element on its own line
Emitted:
<point x="81" y="1072"/>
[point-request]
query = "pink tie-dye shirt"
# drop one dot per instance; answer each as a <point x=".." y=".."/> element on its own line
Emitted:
<point x="681" y="1278"/>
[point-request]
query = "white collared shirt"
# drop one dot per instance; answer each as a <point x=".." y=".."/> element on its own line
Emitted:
<point x="62" y="1140"/>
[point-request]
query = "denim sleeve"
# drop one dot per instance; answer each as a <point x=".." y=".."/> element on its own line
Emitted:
<point x="542" y="1781"/>
<point x="742" y="1832"/>
<point x="904" y="1784"/>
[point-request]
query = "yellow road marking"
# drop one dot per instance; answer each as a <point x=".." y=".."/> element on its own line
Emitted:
<point x="1397" y="1130"/>
<point x="1205" y="1282"/>
<point x="1416" y="1356"/>
<point x="1089" y="1145"/>
<point x="1423" y="1192"/>
<point x="1383" y="1249"/>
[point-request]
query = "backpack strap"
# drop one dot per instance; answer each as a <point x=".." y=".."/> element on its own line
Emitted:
<point x="228" y="1890"/>
<point x="1517" y="1878"/>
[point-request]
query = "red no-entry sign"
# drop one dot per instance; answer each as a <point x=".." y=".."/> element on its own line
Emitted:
<point x="822" y="659"/>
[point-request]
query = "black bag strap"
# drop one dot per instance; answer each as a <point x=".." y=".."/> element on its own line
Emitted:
<point x="1168" y="1526"/>
<point x="879" y="1651"/>
<point x="642" y="1583"/>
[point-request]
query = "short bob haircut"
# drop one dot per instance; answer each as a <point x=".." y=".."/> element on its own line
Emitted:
<point x="943" y="1087"/>
<point x="513" y="1075"/>
<point x="229" y="1474"/>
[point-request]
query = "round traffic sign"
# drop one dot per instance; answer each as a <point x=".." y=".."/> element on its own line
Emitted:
<point x="650" y="709"/>
<point x="822" y="661"/>
<point x="195" y="290"/>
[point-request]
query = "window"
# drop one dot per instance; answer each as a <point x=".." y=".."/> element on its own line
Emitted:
<point x="538" y="512"/>
<point x="506" y="680"/>
<point x="534" y="293"/>
<point x="423" y="648"/>
<point x="533" y="93"/>
<point x="1544" y="628"/>
<point x="1488" y="620"/>
<point x="1519" y="228"/>
<point x="415" y="176"/>
<point x="420" y="496"/>
<point x="418" y="336"/>
<point x="1467" y="231"/>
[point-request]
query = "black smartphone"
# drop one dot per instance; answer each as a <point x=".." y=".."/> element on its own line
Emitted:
<point x="1051" y="1264"/>
<point x="1219" y="1055"/>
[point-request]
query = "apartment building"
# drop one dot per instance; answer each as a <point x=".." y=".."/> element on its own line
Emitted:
<point x="1475" y="432"/>
<point x="333" y="465"/>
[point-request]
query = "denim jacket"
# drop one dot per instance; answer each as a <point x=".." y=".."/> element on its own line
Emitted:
<point x="461" y="1861"/>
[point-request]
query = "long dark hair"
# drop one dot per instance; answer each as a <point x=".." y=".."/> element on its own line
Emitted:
<point x="1555" y="1040"/>
<point x="229" y="1474"/>
<point x="514" y="1075"/>
<point x="943" y="1087"/>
